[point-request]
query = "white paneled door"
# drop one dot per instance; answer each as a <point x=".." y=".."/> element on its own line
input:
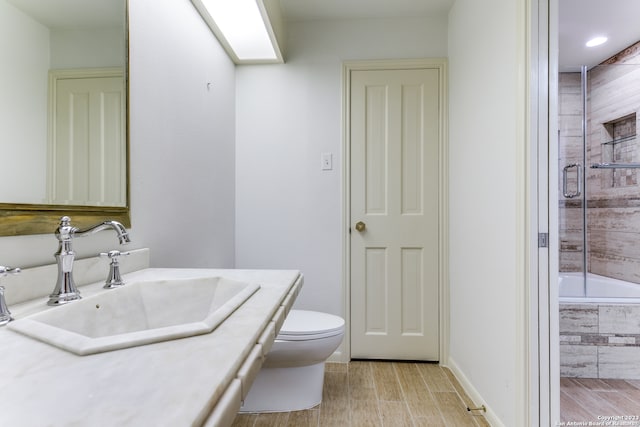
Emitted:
<point x="87" y="152"/>
<point x="394" y="139"/>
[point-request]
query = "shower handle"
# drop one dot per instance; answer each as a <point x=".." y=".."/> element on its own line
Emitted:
<point x="565" y="172"/>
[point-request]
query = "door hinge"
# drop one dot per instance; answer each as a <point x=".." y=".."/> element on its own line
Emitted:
<point x="543" y="240"/>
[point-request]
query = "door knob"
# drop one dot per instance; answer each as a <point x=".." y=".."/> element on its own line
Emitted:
<point x="360" y="226"/>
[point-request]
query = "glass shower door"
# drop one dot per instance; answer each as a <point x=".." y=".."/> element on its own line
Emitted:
<point x="599" y="188"/>
<point x="571" y="160"/>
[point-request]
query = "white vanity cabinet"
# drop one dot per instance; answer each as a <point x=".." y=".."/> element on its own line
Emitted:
<point x="200" y="380"/>
<point x="228" y="405"/>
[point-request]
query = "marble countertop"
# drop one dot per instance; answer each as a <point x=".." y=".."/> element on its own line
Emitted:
<point x="173" y="383"/>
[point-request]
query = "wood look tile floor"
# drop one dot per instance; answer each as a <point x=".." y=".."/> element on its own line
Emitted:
<point x="376" y="393"/>
<point x="585" y="399"/>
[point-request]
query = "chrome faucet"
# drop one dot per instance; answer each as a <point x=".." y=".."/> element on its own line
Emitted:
<point x="66" y="290"/>
<point x="5" y="314"/>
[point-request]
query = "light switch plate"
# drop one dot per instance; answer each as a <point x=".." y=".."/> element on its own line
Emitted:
<point x="327" y="161"/>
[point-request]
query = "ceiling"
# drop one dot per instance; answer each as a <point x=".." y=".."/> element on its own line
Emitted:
<point x="74" y="14"/>
<point x="578" y="19"/>
<point x="305" y="10"/>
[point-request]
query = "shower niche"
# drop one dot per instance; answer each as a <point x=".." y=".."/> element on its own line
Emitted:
<point x="619" y="147"/>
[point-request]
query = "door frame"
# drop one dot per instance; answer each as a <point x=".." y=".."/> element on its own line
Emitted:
<point x="443" y="209"/>
<point x="544" y="339"/>
<point x="549" y="309"/>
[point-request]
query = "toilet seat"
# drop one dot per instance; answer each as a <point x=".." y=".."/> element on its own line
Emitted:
<point x="301" y="325"/>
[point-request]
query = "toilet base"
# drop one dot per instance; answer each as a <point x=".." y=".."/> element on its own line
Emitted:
<point x="285" y="389"/>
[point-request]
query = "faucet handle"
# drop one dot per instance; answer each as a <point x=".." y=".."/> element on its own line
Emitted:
<point x="114" y="280"/>
<point x="5" y="314"/>
<point x="114" y="254"/>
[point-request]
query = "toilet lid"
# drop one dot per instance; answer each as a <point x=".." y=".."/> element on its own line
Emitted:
<point x="301" y="324"/>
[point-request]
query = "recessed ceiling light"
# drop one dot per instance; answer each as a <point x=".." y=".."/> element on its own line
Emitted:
<point x="596" y="41"/>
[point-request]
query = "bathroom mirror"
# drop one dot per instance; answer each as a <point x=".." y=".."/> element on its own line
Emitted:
<point x="63" y="113"/>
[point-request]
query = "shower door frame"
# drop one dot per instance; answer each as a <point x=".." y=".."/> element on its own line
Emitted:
<point x="544" y="129"/>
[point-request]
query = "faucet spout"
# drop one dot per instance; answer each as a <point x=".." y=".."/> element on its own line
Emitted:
<point x="123" y="235"/>
<point x="66" y="289"/>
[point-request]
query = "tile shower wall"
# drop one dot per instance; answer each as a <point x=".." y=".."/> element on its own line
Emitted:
<point x="614" y="194"/>
<point x="600" y="341"/>
<point x="613" y="218"/>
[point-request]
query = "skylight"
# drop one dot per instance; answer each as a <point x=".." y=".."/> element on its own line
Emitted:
<point x="242" y="27"/>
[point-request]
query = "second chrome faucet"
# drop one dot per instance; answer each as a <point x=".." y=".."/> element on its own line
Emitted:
<point x="66" y="290"/>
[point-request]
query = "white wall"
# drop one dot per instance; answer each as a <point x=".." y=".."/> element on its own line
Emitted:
<point x="182" y="137"/>
<point x="182" y="147"/>
<point x="24" y="47"/>
<point x="289" y="212"/>
<point x="486" y="217"/>
<point x="88" y="48"/>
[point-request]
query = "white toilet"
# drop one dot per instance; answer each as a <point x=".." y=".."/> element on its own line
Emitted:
<point x="292" y="374"/>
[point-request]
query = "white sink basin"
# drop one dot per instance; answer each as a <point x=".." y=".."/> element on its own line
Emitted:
<point x="137" y="314"/>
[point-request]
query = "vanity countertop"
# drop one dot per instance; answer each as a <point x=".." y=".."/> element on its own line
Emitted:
<point x="172" y="383"/>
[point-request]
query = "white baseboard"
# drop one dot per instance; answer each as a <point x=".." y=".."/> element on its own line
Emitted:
<point x="473" y="394"/>
<point x="338" y="357"/>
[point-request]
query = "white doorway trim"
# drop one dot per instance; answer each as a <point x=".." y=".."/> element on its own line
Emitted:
<point x="348" y="67"/>
<point x="544" y="379"/>
<point x="552" y="391"/>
